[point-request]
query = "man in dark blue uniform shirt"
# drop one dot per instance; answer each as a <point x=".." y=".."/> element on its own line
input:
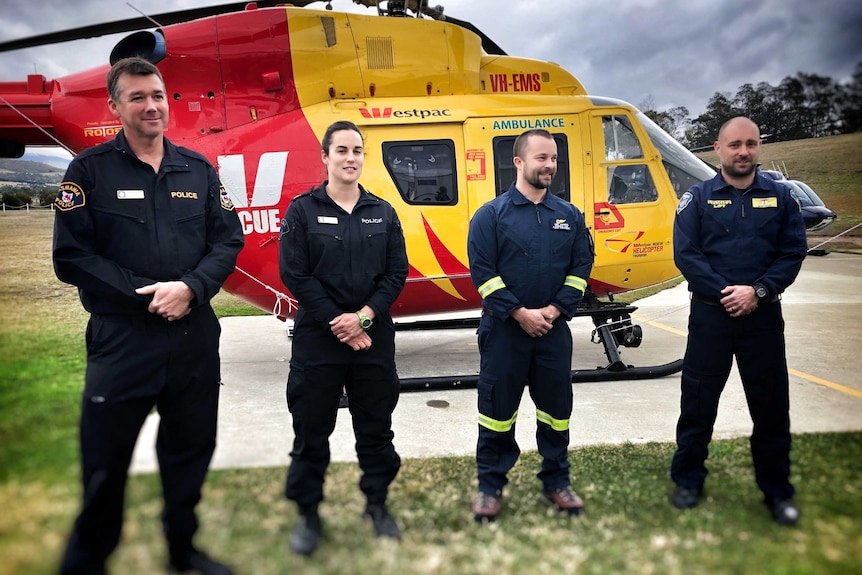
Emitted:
<point x="530" y="257"/>
<point x="147" y="234"/>
<point x="739" y="240"/>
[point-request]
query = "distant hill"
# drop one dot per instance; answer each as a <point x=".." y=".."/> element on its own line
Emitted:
<point x="54" y="161"/>
<point x="34" y="173"/>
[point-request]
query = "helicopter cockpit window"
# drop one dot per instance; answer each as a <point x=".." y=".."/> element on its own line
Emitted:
<point x="621" y="143"/>
<point x="505" y="172"/>
<point x="630" y="184"/>
<point x="423" y="171"/>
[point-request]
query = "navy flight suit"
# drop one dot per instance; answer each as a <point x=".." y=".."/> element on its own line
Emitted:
<point x="119" y="226"/>
<point x="526" y="255"/>
<point x="725" y="236"/>
<point x="335" y="262"/>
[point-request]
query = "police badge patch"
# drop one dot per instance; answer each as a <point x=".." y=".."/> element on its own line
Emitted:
<point x="226" y="202"/>
<point x="69" y="197"/>
<point x="684" y="201"/>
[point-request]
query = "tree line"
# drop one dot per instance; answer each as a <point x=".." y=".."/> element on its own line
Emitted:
<point x="801" y="106"/>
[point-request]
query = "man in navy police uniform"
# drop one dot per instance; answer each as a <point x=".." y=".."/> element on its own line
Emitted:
<point x="739" y="240"/>
<point x="148" y="235"/>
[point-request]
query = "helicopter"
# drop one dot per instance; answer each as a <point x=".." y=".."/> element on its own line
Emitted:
<point x="254" y="85"/>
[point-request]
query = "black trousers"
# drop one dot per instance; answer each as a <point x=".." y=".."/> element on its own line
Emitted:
<point x="320" y="368"/>
<point x="510" y="361"/>
<point x="757" y="342"/>
<point x="135" y="364"/>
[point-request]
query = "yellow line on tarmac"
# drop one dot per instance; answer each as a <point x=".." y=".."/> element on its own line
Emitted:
<point x="797" y="373"/>
<point x="826" y="383"/>
<point x="662" y="326"/>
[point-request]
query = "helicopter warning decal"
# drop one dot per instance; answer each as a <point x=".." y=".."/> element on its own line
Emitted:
<point x="475" y="165"/>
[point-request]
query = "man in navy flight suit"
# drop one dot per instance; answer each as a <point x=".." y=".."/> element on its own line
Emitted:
<point x="530" y="257"/>
<point x="739" y="240"/>
<point x="147" y="234"/>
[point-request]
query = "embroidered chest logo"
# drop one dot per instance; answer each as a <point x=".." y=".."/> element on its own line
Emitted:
<point x="561" y="224"/>
<point x="719" y="203"/>
<point x="185" y="195"/>
<point x="372" y="220"/>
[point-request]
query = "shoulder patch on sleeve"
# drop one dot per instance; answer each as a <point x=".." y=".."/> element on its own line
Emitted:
<point x="226" y="202"/>
<point x="69" y="197"/>
<point x="684" y="201"/>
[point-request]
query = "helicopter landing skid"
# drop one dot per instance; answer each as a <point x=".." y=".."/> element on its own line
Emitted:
<point x="614" y="328"/>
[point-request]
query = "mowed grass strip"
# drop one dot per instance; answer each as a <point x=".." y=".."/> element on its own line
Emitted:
<point x="629" y="527"/>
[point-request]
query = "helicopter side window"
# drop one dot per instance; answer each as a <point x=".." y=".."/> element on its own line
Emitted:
<point x="505" y="172"/>
<point x="630" y="184"/>
<point x="423" y="171"/>
<point x="621" y="143"/>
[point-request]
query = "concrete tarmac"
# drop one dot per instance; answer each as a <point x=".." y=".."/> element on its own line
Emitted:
<point x="822" y="310"/>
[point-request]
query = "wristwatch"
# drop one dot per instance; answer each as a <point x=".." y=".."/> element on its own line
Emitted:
<point x="760" y="290"/>
<point x="364" y="321"/>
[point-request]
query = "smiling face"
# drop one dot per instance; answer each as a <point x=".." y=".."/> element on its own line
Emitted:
<point x="345" y="157"/>
<point x="537" y="163"/>
<point x="141" y="106"/>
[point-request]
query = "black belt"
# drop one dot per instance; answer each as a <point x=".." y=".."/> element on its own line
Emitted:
<point x="139" y="320"/>
<point x="489" y="312"/>
<point x="709" y="301"/>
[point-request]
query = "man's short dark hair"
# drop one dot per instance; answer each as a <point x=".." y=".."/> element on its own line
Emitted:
<point x="521" y="141"/>
<point x="134" y="66"/>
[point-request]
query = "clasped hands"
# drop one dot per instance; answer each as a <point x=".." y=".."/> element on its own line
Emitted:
<point x="348" y="331"/>
<point x="536" y="322"/>
<point x="739" y="300"/>
<point x="170" y="299"/>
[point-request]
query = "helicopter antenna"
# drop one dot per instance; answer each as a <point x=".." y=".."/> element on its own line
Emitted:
<point x="130" y="5"/>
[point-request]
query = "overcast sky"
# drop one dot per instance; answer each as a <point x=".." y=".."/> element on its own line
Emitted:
<point x="676" y="52"/>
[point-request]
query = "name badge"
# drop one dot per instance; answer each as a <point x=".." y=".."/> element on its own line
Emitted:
<point x="764" y="202"/>
<point x="327" y="220"/>
<point x="130" y="194"/>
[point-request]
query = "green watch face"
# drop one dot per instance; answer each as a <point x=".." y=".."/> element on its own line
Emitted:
<point x="364" y="321"/>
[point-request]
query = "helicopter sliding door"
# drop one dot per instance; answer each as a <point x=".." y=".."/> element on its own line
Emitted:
<point x="421" y="173"/>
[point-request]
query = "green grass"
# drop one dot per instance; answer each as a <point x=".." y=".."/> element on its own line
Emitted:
<point x="629" y="527"/>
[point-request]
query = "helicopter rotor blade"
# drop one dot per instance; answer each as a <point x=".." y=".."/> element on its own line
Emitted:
<point x="131" y="24"/>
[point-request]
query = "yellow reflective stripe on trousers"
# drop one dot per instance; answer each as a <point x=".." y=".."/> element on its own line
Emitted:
<point x="498" y="426"/>
<point x="556" y="424"/>
<point x="491" y="286"/>
<point x="576" y="282"/>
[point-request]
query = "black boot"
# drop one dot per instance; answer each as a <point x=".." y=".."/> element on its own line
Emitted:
<point x="384" y="523"/>
<point x="306" y="534"/>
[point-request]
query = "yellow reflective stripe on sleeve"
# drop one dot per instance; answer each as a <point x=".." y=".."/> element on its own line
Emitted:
<point x="491" y="286"/>
<point x="498" y="426"/>
<point x="556" y="424"/>
<point x="576" y="282"/>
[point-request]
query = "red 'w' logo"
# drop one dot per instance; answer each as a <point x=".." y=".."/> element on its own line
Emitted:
<point x="375" y="112"/>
